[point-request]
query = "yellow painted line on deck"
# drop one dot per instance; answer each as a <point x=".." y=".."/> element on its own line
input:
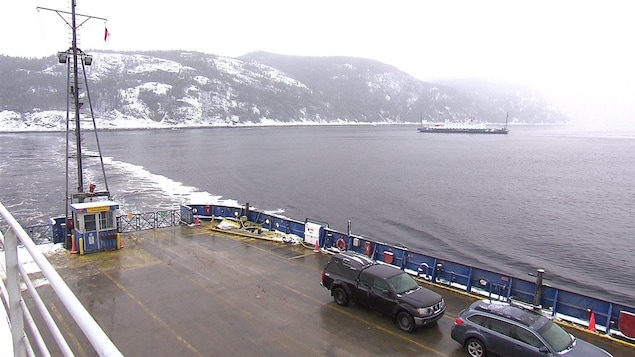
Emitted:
<point x="213" y="293"/>
<point x="153" y="315"/>
<point x="330" y="306"/>
<point x="78" y="346"/>
<point x="350" y="314"/>
<point x="391" y="332"/>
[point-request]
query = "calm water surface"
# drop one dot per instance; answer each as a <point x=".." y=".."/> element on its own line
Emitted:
<point x="541" y="197"/>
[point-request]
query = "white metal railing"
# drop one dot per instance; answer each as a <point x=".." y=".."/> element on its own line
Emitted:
<point x="18" y="313"/>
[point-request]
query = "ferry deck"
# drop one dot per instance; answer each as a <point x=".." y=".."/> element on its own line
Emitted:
<point x="188" y="291"/>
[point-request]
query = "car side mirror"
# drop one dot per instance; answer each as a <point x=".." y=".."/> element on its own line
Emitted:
<point x="387" y="293"/>
<point x="543" y="350"/>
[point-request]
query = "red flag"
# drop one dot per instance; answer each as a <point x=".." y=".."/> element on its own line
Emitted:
<point x="106" y="34"/>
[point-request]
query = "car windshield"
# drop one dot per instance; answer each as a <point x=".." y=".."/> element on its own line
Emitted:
<point x="556" y="336"/>
<point x="403" y="283"/>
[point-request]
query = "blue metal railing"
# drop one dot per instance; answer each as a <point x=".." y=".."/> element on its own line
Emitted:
<point x="134" y="222"/>
<point x="480" y="282"/>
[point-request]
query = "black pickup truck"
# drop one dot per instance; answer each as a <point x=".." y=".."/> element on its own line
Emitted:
<point x="385" y="288"/>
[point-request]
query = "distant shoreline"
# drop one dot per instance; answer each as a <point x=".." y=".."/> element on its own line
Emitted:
<point x="247" y="125"/>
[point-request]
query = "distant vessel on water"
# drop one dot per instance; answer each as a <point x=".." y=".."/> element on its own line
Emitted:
<point x="469" y="127"/>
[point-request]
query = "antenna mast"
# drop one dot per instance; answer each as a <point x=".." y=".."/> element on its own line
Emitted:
<point x="77" y="91"/>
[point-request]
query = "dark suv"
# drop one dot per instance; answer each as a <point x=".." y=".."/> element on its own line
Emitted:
<point x="352" y="276"/>
<point x="505" y="330"/>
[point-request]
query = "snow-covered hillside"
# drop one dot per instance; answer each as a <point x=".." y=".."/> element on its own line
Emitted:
<point x="185" y="89"/>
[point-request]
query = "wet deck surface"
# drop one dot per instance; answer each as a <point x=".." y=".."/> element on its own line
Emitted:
<point x="188" y="292"/>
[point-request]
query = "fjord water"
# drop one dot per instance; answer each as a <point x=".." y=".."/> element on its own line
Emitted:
<point x="556" y="198"/>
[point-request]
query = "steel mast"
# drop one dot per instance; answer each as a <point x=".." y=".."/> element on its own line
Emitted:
<point x="77" y="91"/>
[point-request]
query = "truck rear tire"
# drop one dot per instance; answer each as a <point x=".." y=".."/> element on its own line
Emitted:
<point x="340" y="296"/>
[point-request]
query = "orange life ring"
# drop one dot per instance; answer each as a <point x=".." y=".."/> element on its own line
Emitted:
<point x="341" y="244"/>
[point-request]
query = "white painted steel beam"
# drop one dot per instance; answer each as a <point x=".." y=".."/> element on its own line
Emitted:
<point x="97" y="337"/>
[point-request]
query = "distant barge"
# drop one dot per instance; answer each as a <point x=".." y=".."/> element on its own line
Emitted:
<point x="462" y="128"/>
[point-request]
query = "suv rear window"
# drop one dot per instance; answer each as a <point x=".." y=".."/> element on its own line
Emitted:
<point x="477" y="319"/>
<point x="501" y="326"/>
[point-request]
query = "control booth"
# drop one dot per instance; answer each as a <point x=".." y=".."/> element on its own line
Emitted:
<point x="94" y="227"/>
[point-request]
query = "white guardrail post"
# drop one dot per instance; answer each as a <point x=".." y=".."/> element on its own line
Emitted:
<point x="13" y="290"/>
<point x="97" y="337"/>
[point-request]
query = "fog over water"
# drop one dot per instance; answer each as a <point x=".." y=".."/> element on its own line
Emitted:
<point x="576" y="52"/>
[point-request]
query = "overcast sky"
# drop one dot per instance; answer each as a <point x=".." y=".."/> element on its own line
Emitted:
<point x="580" y="53"/>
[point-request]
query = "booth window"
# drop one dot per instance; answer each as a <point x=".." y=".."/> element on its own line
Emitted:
<point x="106" y="220"/>
<point x="89" y="223"/>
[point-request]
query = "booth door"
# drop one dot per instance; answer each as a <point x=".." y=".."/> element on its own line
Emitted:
<point x="91" y="237"/>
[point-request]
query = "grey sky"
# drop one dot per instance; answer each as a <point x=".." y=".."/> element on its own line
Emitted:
<point x="579" y="53"/>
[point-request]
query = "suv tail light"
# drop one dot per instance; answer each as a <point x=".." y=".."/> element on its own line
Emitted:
<point x="458" y="321"/>
<point x="323" y="275"/>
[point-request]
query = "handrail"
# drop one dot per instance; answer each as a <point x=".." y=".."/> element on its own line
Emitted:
<point x="94" y="333"/>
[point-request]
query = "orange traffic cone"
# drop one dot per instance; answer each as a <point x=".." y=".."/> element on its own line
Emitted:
<point x="73" y="245"/>
<point x="197" y="222"/>
<point x="592" y="322"/>
<point x="317" y="246"/>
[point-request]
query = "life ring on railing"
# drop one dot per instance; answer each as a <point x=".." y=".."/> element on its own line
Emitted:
<point x="208" y="210"/>
<point x="341" y="244"/>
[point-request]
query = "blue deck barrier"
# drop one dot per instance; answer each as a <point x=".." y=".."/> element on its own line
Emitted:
<point x="563" y="304"/>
